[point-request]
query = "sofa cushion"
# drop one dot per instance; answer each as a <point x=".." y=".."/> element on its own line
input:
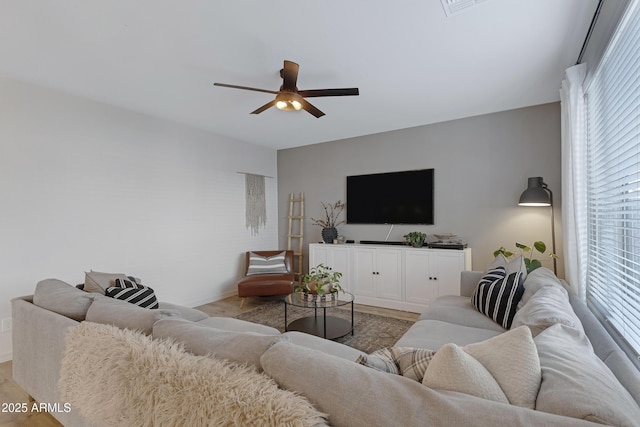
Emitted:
<point x="512" y="359"/>
<point x="202" y="340"/>
<point x="576" y="383"/>
<point x="539" y="278"/>
<point x="186" y="313"/>
<point x="95" y="281"/>
<point x="548" y="306"/>
<point x="511" y="266"/>
<point x="62" y="298"/>
<point x="115" y="377"/>
<point x="433" y="334"/>
<point x="139" y="295"/>
<point x="124" y="315"/>
<point x="237" y="325"/>
<point x="326" y="346"/>
<point x="459" y="311"/>
<point x="259" y="264"/>
<point x="356" y="396"/>
<point x="453" y="369"/>
<point x="497" y="295"/>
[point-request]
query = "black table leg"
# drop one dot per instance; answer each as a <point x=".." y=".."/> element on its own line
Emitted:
<point x="286" y="329"/>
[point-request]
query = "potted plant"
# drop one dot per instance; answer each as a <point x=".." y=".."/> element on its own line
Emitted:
<point x="322" y="282"/>
<point x="415" y="239"/>
<point x="530" y="262"/>
<point x="330" y="222"/>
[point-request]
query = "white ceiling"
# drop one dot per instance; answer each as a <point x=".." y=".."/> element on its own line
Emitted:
<point x="412" y="64"/>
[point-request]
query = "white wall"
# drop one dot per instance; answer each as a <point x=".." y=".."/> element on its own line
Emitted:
<point x="87" y="186"/>
<point x="481" y="167"/>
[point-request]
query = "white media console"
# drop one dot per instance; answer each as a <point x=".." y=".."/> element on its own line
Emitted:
<point x="397" y="277"/>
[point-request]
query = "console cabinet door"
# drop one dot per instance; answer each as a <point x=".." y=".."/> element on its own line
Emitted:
<point x="336" y="257"/>
<point x="363" y="272"/>
<point x="339" y="261"/>
<point x="388" y="275"/>
<point x="420" y="282"/>
<point x="447" y="266"/>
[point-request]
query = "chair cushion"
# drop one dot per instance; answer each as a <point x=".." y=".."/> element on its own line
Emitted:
<point x="265" y="285"/>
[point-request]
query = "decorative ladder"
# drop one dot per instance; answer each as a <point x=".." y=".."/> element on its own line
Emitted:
<point x="296" y="231"/>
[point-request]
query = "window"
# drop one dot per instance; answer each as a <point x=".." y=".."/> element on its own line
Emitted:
<point x="613" y="184"/>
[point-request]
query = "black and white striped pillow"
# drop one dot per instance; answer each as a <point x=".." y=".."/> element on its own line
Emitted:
<point x="140" y="295"/>
<point x="124" y="283"/>
<point x="497" y="295"/>
<point x="259" y="264"/>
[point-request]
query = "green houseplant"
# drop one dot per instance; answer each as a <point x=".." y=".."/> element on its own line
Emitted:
<point x="321" y="280"/>
<point x="415" y="239"/>
<point x="529" y="262"/>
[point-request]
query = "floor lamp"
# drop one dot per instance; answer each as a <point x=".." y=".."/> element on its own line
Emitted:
<point x="539" y="194"/>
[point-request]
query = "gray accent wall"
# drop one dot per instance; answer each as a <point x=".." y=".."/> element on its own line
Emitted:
<point x="481" y="167"/>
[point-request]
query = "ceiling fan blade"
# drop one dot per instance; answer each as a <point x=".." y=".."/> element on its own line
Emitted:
<point x="290" y="76"/>
<point x="264" y="107"/>
<point x="328" y="92"/>
<point x="308" y="107"/>
<point x="245" y="88"/>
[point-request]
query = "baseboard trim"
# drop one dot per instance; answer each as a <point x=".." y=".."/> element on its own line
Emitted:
<point x="5" y="357"/>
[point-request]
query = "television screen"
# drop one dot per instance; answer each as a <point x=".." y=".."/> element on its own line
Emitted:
<point x="391" y="198"/>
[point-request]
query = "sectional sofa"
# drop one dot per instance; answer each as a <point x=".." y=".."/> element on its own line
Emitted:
<point x="556" y="365"/>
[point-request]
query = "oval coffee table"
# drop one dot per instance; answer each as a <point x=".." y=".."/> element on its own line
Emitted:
<point x="321" y="325"/>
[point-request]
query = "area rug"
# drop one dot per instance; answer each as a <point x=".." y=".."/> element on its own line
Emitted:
<point x="371" y="332"/>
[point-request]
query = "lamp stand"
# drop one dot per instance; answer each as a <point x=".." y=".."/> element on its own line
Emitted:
<point x="553" y="231"/>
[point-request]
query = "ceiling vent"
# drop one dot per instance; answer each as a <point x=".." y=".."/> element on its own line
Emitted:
<point x="452" y="7"/>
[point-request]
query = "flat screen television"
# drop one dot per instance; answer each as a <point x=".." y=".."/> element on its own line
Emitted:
<point x="404" y="197"/>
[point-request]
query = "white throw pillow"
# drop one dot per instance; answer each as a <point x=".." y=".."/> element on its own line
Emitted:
<point x="539" y="278"/>
<point x="513" y="266"/>
<point x="95" y="281"/>
<point x="548" y="306"/>
<point x="454" y="370"/>
<point x="512" y="359"/>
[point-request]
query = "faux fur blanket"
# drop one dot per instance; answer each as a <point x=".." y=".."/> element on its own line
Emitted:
<point x="117" y="377"/>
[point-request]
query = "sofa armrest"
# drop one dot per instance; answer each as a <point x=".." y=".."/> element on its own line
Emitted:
<point x="468" y="282"/>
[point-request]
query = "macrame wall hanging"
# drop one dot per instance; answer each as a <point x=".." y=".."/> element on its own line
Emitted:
<point x="256" y="205"/>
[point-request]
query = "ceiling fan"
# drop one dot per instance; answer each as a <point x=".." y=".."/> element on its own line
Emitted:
<point x="289" y="97"/>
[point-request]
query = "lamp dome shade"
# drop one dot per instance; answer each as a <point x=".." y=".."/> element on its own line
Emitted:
<point x="536" y="193"/>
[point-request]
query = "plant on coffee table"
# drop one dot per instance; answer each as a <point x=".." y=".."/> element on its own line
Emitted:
<point x="321" y="280"/>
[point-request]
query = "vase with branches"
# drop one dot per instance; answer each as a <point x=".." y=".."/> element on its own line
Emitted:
<point x="330" y="221"/>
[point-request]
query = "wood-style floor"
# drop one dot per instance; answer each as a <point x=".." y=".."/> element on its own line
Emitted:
<point x="11" y="393"/>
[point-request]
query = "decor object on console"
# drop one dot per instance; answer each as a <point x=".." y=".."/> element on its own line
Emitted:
<point x="539" y="194"/>
<point x="320" y="281"/>
<point x="330" y="222"/>
<point x="415" y="239"/>
<point x="530" y="263"/>
<point x="264" y="275"/>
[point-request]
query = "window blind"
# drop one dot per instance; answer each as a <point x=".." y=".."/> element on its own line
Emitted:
<point x="613" y="184"/>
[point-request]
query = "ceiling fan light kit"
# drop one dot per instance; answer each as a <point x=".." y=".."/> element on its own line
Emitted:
<point x="289" y="98"/>
<point x="288" y="101"/>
